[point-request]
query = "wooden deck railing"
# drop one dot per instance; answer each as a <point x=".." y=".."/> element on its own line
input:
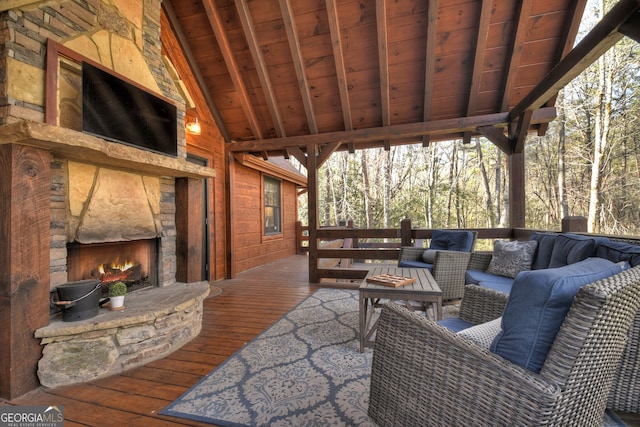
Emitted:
<point x="369" y="246"/>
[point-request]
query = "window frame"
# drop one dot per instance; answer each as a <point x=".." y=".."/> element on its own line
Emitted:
<point x="278" y="215"/>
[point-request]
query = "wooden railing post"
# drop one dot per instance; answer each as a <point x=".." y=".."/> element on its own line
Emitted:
<point x="405" y="232"/>
<point x="574" y="224"/>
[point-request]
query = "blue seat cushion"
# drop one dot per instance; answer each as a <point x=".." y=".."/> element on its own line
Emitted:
<point x="537" y="306"/>
<point x="619" y="251"/>
<point x="455" y="324"/>
<point x="415" y="264"/>
<point x="452" y="240"/>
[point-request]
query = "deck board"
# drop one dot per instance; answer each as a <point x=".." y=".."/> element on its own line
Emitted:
<point x="248" y="305"/>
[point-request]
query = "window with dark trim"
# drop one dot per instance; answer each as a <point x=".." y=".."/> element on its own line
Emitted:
<point x="272" y="206"/>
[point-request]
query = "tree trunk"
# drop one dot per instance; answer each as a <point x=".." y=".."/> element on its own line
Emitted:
<point x="487" y="187"/>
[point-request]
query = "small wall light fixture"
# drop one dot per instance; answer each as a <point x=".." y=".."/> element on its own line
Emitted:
<point x="193" y="127"/>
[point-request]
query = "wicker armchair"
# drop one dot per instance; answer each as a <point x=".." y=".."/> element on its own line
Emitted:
<point x="448" y="269"/>
<point x="424" y="374"/>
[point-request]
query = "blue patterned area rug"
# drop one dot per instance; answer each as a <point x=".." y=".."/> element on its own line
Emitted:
<point x="304" y="370"/>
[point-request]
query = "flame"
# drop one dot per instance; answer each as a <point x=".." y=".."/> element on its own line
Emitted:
<point x="122" y="267"/>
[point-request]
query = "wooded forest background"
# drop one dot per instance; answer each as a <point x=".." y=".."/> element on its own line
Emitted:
<point x="587" y="164"/>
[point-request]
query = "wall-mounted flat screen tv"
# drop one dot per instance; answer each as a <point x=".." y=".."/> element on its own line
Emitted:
<point x="116" y="110"/>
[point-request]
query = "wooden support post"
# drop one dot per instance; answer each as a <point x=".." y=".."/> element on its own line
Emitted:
<point x="312" y="185"/>
<point x="405" y="232"/>
<point x="189" y="230"/>
<point x="516" y="190"/>
<point x="25" y="215"/>
<point x="574" y="224"/>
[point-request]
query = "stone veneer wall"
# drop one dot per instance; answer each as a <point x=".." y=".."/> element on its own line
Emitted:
<point x="61" y="229"/>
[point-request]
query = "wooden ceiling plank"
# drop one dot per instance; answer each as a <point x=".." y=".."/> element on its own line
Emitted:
<point x="430" y="64"/>
<point x="516" y="52"/>
<point x="195" y="69"/>
<point x="234" y="70"/>
<point x="408" y="130"/>
<point x="604" y="35"/>
<point x="298" y="62"/>
<point x="261" y="67"/>
<point x="338" y="58"/>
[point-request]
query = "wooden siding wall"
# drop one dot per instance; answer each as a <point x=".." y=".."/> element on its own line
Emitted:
<point x="251" y="249"/>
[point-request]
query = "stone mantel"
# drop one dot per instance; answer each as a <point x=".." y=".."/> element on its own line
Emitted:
<point x="78" y="146"/>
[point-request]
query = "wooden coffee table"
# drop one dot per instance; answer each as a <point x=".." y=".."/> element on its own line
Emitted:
<point x="424" y="290"/>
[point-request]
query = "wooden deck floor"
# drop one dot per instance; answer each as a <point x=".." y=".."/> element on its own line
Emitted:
<point x="247" y="305"/>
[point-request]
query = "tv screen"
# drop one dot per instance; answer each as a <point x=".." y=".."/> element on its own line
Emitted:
<point x="116" y="110"/>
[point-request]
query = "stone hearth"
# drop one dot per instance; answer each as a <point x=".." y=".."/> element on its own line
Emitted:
<point x="153" y="324"/>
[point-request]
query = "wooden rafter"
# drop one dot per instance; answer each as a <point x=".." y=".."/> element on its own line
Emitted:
<point x="234" y="70"/>
<point x="478" y="61"/>
<point x="193" y="65"/>
<point x="516" y="51"/>
<point x="261" y="67"/>
<point x="338" y="59"/>
<point x="565" y="45"/>
<point x="604" y="35"/>
<point x="383" y="65"/>
<point x="409" y="130"/>
<point x="430" y="66"/>
<point x="631" y="28"/>
<point x="298" y="62"/>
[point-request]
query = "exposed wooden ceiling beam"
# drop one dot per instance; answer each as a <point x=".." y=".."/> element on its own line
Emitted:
<point x="195" y="69"/>
<point x="478" y="61"/>
<point x="408" y="130"/>
<point x="522" y="130"/>
<point x="566" y="44"/>
<point x="261" y="67"/>
<point x="298" y="63"/>
<point x="631" y="28"/>
<point x="234" y="70"/>
<point x="338" y="59"/>
<point x="516" y="51"/>
<point x="430" y="63"/>
<point x="383" y="65"/>
<point x="604" y="35"/>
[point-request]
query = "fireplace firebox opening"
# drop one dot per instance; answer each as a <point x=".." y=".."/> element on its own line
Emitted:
<point x="133" y="262"/>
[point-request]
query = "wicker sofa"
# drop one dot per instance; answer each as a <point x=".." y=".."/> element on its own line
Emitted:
<point x="425" y="374"/>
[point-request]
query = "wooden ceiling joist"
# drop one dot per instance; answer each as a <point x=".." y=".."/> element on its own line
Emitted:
<point x="298" y="62"/>
<point x="478" y="61"/>
<point x="383" y="65"/>
<point x="195" y="69"/>
<point x="227" y="53"/>
<point x="430" y="63"/>
<point x="261" y="67"/>
<point x="338" y="59"/>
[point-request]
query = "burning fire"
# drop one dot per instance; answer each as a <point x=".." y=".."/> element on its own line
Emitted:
<point x="116" y="271"/>
<point x="122" y="267"/>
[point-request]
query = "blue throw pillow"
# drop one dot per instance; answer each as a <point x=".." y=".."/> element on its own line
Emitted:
<point x="451" y="240"/>
<point x="619" y="251"/>
<point x="571" y="248"/>
<point x="537" y="306"/>
<point x="545" y="246"/>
